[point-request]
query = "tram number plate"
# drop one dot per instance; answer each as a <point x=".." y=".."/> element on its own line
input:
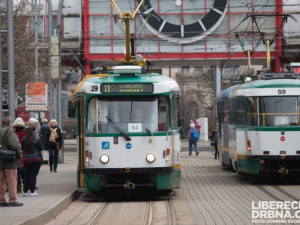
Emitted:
<point x="95" y="88"/>
<point x="135" y="127"/>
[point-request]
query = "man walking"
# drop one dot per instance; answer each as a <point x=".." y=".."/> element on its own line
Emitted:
<point x="8" y="168"/>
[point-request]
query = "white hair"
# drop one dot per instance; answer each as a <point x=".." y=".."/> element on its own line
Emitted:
<point x="32" y="121"/>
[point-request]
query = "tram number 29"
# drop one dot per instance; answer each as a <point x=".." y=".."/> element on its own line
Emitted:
<point x="281" y="91"/>
<point x="94" y="88"/>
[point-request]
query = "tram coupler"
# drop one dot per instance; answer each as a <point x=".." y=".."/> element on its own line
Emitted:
<point x="129" y="185"/>
<point x="282" y="171"/>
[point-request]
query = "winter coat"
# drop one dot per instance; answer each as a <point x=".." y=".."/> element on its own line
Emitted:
<point x="57" y="140"/>
<point x="21" y="134"/>
<point x="44" y="130"/>
<point x="190" y="134"/>
<point x="11" y="142"/>
<point x="198" y="127"/>
<point x="32" y="150"/>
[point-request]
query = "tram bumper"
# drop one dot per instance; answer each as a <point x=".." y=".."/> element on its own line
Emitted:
<point x="161" y="178"/>
<point x="277" y="164"/>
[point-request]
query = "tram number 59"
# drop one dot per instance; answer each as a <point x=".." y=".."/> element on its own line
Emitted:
<point x="281" y="91"/>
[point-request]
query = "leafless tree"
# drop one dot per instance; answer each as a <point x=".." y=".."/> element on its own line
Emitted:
<point x="23" y="46"/>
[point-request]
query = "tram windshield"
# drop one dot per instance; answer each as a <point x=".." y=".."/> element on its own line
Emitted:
<point x="130" y="115"/>
<point x="273" y="111"/>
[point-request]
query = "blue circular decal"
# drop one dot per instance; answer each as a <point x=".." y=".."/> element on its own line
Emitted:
<point x="128" y="146"/>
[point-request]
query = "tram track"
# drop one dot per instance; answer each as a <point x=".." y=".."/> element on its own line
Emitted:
<point x="280" y="190"/>
<point x="98" y="214"/>
<point x="149" y="213"/>
<point x="286" y="193"/>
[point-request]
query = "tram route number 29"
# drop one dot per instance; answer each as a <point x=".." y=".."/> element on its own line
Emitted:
<point x="95" y="88"/>
<point x="281" y="91"/>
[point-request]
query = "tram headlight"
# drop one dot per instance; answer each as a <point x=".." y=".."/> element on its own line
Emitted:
<point x="104" y="158"/>
<point x="150" y="157"/>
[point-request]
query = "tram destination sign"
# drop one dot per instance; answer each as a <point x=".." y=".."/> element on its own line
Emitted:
<point x="126" y="88"/>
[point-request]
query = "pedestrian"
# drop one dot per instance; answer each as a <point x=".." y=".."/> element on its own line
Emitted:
<point x="214" y="141"/>
<point x="33" y="121"/>
<point x="193" y="138"/>
<point x="189" y="126"/>
<point x="32" y="146"/>
<point x="19" y="128"/>
<point x="198" y="127"/>
<point x="44" y="130"/>
<point x="54" y="139"/>
<point x="8" y="168"/>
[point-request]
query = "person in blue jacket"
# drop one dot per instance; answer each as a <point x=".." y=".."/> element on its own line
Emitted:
<point x="193" y="138"/>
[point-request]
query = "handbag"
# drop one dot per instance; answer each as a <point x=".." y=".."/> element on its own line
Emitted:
<point x="212" y="143"/>
<point x="58" y="147"/>
<point x="6" y="154"/>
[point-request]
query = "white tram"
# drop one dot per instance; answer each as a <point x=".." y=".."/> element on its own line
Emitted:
<point x="259" y="125"/>
<point x="128" y="136"/>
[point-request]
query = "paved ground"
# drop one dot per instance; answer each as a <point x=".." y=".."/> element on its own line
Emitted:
<point x="55" y="193"/>
<point x="209" y="194"/>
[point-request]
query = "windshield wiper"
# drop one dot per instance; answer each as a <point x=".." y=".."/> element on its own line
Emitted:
<point x="117" y="128"/>
<point x="149" y="132"/>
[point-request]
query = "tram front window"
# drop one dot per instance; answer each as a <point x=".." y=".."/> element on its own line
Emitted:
<point x="279" y="111"/>
<point x="131" y="116"/>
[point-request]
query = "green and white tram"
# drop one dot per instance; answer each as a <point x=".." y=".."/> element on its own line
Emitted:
<point x="260" y="127"/>
<point x="128" y="136"/>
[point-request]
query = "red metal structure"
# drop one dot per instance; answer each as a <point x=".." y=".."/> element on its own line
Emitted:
<point x="204" y="54"/>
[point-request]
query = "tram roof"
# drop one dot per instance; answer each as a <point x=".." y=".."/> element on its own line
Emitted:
<point x="225" y="93"/>
<point x="161" y="83"/>
<point x="276" y="83"/>
<point x="258" y="88"/>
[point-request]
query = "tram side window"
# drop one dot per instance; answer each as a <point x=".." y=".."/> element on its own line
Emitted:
<point x="226" y="112"/>
<point x="175" y="111"/>
<point x="92" y="116"/>
<point x="252" y="111"/>
<point x="279" y="111"/>
<point x="163" y="113"/>
<point x="241" y="111"/>
<point x="233" y="111"/>
<point x="220" y="111"/>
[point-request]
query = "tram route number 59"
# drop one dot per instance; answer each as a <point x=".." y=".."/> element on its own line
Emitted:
<point x="281" y="91"/>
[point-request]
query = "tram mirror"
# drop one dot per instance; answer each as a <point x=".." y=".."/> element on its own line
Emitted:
<point x="71" y="109"/>
<point x="163" y="109"/>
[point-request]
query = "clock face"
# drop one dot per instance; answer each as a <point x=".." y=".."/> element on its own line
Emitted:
<point x="183" y="33"/>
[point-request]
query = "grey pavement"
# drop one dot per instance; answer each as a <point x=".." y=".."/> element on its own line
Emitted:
<point x="56" y="191"/>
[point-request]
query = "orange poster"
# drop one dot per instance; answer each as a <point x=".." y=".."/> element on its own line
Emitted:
<point x="36" y="97"/>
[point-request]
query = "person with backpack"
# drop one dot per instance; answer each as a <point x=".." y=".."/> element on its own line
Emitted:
<point x="54" y="139"/>
<point x="193" y="137"/>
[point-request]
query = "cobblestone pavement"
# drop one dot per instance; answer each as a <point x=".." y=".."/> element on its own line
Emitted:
<point x="216" y="195"/>
<point x="209" y="194"/>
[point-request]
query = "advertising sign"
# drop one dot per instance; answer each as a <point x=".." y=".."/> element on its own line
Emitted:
<point x="36" y="96"/>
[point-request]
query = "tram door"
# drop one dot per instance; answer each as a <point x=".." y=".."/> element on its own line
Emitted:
<point x="81" y="142"/>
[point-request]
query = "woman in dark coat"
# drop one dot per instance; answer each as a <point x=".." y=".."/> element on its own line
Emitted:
<point x="32" y="147"/>
<point x="19" y="128"/>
